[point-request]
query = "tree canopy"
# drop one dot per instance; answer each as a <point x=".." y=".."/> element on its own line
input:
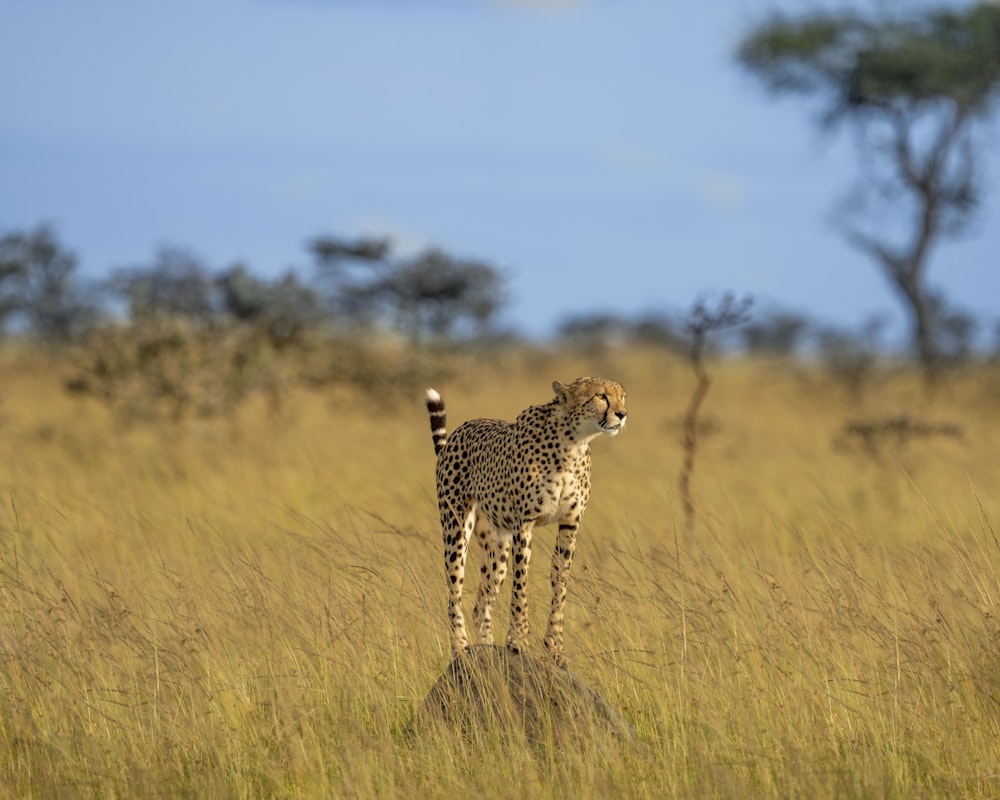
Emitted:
<point x="432" y="293"/>
<point x="39" y="287"/>
<point x="870" y="63"/>
<point x="914" y="86"/>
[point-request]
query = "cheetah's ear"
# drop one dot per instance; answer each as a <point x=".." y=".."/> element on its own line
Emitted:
<point x="560" y="390"/>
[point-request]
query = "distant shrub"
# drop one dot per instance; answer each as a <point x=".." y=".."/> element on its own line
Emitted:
<point x="780" y="333"/>
<point x="170" y="368"/>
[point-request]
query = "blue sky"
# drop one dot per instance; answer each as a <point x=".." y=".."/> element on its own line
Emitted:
<point x="609" y="155"/>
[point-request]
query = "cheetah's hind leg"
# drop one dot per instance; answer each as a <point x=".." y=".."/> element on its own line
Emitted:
<point x="457" y="530"/>
<point x="494" y="552"/>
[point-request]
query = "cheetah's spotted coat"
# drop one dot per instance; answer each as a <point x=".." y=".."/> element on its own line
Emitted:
<point x="499" y="479"/>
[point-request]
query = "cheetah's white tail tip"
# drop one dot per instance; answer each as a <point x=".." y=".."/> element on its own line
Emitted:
<point x="438" y="418"/>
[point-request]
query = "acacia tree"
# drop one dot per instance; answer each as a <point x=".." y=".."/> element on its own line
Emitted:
<point x="177" y="284"/>
<point x="914" y="89"/>
<point x="284" y="308"/>
<point x="39" y="286"/>
<point x="432" y="294"/>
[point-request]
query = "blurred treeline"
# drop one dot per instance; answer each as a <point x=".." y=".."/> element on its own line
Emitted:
<point x="176" y="337"/>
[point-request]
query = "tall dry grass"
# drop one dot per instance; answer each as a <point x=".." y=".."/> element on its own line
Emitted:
<point x="254" y="607"/>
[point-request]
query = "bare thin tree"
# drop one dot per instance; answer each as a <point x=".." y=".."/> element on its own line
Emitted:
<point x="703" y="319"/>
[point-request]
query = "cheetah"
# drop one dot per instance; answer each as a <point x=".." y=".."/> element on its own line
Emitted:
<point x="499" y="479"/>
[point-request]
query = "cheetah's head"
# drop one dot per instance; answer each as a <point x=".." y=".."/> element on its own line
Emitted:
<point x="595" y="405"/>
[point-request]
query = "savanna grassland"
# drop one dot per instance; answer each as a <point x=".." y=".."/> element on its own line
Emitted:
<point x="254" y="606"/>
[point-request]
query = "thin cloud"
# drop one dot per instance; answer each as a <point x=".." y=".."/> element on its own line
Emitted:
<point x="544" y="5"/>
<point x="724" y="191"/>
<point x="633" y="158"/>
<point x="297" y="188"/>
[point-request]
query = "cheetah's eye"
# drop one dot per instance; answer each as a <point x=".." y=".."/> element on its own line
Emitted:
<point x="604" y="397"/>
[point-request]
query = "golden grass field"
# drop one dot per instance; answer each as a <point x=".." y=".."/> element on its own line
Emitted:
<point x="254" y="607"/>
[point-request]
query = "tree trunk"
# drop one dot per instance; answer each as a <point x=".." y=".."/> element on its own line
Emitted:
<point x="923" y="333"/>
<point x="905" y="274"/>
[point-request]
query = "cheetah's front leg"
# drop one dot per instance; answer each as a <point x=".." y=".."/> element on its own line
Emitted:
<point x="517" y="636"/>
<point x="562" y="559"/>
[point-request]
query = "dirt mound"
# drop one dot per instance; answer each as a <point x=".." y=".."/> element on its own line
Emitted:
<point x="490" y="689"/>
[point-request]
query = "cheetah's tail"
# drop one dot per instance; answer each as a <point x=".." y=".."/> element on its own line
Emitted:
<point x="435" y="407"/>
